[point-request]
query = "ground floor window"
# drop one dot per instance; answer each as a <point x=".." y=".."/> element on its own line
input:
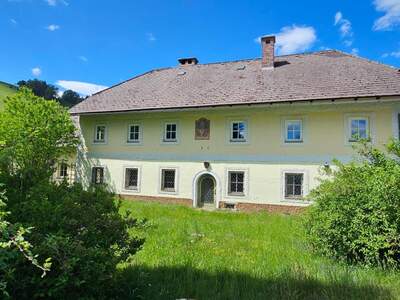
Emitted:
<point x="294" y="185"/>
<point x="63" y="170"/>
<point x="131" y="178"/>
<point x="168" y="180"/>
<point x="236" y="183"/>
<point x="97" y="175"/>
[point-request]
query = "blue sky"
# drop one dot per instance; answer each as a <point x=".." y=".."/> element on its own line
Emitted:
<point x="87" y="45"/>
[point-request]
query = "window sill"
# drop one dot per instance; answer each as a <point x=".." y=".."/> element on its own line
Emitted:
<point x="294" y="142"/>
<point x="99" y="142"/>
<point x="236" y="194"/>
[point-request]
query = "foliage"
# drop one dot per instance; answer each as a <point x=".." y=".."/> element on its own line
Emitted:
<point x="356" y="214"/>
<point x="13" y="244"/>
<point x="34" y="134"/>
<point x="197" y="254"/>
<point x="48" y="91"/>
<point x="80" y="230"/>
<point x="40" y="88"/>
<point x="70" y="98"/>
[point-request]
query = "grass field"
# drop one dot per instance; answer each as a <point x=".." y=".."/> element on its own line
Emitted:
<point x="5" y="90"/>
<point x="225" y="255"/>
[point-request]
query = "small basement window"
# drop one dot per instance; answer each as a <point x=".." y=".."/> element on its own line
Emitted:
<point x="168" y="178"/>
<point x="131" y="178"/>
<point x="294" y="185"/>
<point x="97" y="175"/>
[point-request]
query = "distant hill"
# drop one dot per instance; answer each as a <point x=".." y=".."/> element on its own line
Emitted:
<point x="6" y="89"/>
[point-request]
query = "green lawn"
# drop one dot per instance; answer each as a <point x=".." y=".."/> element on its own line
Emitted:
<point x="5" y="90"/>
<point x="225" y="255"/>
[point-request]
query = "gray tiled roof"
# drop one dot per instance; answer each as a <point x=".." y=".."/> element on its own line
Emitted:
<point x="310" y="76"/>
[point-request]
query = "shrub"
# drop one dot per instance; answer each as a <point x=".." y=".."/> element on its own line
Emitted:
<point x="83" y="233"/>
<point x="356" y="214"/>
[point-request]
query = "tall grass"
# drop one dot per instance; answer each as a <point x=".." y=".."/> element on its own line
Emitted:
<point x="225" y="255"/>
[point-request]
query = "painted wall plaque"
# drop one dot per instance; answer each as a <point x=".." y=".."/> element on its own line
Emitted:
<point x="202" y="130"/>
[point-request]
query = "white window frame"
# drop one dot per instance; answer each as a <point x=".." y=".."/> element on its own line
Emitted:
<point x="238" y="140"/>
<point x="371" y="116"/>
<point x="349" y="129"/>
<point x="97" y="141"/>
<point x="164" y="135"/>
<point x="305" y="187"/>
<point x="133" y="141"/>
<point x="286" y="128"/>
<point x="60" y="165"/>
<point x="245" y="183"/>
<point x="139" y="179"/>
<point x="160" y="181"/>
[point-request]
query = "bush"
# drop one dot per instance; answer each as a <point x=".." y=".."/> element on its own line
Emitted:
<point x="356" y="214"/>
<point x="81" y="230"/>
<point x="83" y="233"/>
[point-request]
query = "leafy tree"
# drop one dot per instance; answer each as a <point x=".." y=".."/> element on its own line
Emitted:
<point x="70" y="98"/>
<point x="80" y="230"/>
<point x="40" y="88"/>
<point x="356" y="214"/>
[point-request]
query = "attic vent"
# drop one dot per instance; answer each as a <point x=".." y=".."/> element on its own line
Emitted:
<point x="188" y="61"/>
<point x="181" y="73"/>
<point x="241" y="68"/>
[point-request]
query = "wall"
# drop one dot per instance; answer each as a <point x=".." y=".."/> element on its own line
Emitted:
<point x="264" y="157"/>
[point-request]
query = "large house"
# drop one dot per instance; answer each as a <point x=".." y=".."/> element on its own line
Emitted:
<point x="246" y="134"/>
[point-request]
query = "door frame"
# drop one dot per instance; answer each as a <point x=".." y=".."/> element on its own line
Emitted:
<point x="195" y="187"/>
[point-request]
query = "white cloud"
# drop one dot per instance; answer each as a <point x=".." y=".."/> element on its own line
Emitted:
<point x="344" y="25"/>
<point x="151" y="37"/>
<point x="395" y="54"/>
<point x="83" y="58"/>
<point x="83" y="88"/>
<point x="36" y="71"/>
<point x="13" y="21"/>
<point x="292" y="39"/>
<point x="53" y="27"/>
<point x="56" y="2"/>
<point x="355" y="51"/>
<point x="391" y="17"/>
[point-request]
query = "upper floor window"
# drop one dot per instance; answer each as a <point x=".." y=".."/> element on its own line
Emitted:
<point x="134" y="133"/>
<point x="97" y="175"/>
<point x="294" y="185"/>
<point x="63" y="170"/>
<point x="168" y="180"/>
<point x="236" y="183"/>
<point x="359" y="129"/>
<point x="170" y="132"/>
<point x="100" y="134"/>
<point x="238" y="131"/>
<point x="131" y="178"/>
<point x="293" y="131"/>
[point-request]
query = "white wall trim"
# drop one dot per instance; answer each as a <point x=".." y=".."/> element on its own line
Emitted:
<point x="160" y="191"/>
<point x="139" y="168"/>
<point x="217" y="188"/>
<point x="246" y="191"/>
<point x="306" y="185"/>
<point x="371" y="116"/>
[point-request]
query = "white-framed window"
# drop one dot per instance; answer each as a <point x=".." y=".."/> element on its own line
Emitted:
<point x="134" y="133"/>
<point x="236" y="183"/>
<point x="168" y="180"/>
<point x="238" y="131"/>
<point x="293" y="131"/>
<point x="100" y="133"/>
<point x="63" y="170"/>
<point x="294" y="185"/>
<point x="131" y="179"/>
<point x="170" y="132"/>
<point x="358" y="129"/>
<point x="98" y="175"/>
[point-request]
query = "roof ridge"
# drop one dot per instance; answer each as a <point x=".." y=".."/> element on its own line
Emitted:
<point x="369" y="60"/>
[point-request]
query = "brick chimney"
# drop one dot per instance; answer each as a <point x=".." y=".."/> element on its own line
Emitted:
<point x="268" y="51"/>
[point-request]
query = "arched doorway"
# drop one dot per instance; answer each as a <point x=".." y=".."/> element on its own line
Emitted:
<point x="206" y="190"/>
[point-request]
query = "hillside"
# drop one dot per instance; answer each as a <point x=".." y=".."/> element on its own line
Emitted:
<point x="5" y="90"/>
